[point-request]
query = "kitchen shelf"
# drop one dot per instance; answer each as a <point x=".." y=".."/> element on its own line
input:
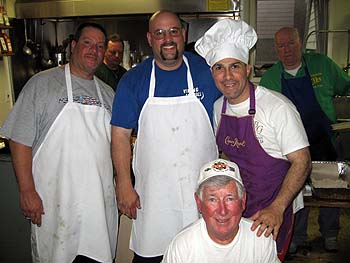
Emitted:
<point x="5" y="27"/>
<point x="6" y="55"/>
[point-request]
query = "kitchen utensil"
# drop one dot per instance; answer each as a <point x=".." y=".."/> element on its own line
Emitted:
<point x="26" y="49"/>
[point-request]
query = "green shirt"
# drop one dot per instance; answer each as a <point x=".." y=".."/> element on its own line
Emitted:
<point x="111" y="77"/>
<point x="327" y="78"/>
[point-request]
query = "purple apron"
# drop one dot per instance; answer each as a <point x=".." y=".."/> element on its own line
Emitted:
<point x="261" y="173"/>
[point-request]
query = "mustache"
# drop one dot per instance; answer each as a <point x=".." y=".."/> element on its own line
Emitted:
<point x="172" y="43"/>
<point x="91" y="55"/>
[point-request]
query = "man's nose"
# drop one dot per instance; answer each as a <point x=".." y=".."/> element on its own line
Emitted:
<point x="222" y="208"/>
<point x="228" y="73"/>
<point x="167" y="36"/>
<point x="94" y="47"/>
<point x="286" y="48"/>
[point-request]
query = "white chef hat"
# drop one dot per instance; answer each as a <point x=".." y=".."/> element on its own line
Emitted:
<point x="219" y="167"/>
<point x="227" y="38"/>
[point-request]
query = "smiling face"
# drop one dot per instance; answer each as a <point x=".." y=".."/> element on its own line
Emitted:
<point x="231" y="78"/>
<point x="87" y="52"/>
<point x="288" y="47"/>
<point x="167" y="39"/>
<point x="222" y="210"/>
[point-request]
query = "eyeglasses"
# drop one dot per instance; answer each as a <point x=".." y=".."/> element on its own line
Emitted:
<point x="161" y="33"/>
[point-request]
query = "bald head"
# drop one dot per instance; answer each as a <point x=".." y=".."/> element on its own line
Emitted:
<point x="166" y="36"/>
<point x="163" y="14"/>
<point x="288" y="47"/>
<point x="292" y="31"/>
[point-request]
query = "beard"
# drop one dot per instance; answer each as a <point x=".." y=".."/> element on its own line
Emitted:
<point x="167" y="56"/>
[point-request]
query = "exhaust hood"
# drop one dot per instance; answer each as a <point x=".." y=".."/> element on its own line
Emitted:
<point x="74" y="8"/>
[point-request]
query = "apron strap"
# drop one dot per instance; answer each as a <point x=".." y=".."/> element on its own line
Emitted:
<point x="69" y="86"/>
<point x="224" y="105"/>
<point x="68" y="82"/>
<point x="189" y="78"/>
<point x="251" y="110"/>
<point x="152" y="84"/>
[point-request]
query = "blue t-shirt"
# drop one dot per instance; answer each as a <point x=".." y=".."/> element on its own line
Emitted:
<point x="133" y="88"/>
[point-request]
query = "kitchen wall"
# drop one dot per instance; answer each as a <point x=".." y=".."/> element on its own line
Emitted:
<point x="6" y="88"/>
<point x="338" y="43"/>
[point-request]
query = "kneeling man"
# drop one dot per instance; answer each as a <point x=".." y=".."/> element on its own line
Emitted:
<point x="222" y="235"/>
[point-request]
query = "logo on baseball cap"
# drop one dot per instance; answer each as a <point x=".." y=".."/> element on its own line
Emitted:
<point x="219" y="167"/>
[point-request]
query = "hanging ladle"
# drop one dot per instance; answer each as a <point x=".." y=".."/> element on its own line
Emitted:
<point x="26" y="49"/>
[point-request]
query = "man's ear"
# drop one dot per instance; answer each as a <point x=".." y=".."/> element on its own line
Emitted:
<point x="249" y="69"/>
<point x="183" y="31"/>
<point x="149" y="39"/>
<point x="244" y="199"/>
<point x="73" y="44"/>
<point x="198" y="202"/>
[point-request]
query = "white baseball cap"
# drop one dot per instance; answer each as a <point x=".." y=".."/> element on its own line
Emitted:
<point x="227" y="38"/>
<point x="219" y="167"/>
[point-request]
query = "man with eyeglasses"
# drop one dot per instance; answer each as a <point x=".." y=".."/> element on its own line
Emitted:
<point x="169" y="99"/>
<point x="310" y="81"/>
<point x="60" y="136"/>
<point x="110" y="71"/>
<point x="258" y="129"/>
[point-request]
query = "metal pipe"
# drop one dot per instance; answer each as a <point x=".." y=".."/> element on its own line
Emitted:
<point x="334" y="31"/>
<point x="327" y="31"/>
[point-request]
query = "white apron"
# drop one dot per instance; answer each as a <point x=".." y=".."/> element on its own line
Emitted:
<point x="174" y="140"/>
<point x="73" y="175"/>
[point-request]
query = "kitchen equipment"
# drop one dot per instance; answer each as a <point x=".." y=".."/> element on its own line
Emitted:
<point x="26" y="49"/>
<point x="59" y="52"/>
<point x="46" y="61"/>
<point x="330" y="180"/>
<point x="260" y="70"/>
<point x="342" y="106"/>
<point x="327" y="31"/>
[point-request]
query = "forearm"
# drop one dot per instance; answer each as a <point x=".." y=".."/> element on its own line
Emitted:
<point x="22" y="163"/>
<point x="31" y="204"/>
<point x="121" y="155"/>
<point x="294" y="179"/>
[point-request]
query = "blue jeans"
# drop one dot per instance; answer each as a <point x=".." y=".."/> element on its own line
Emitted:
<point x="328" y="221"/>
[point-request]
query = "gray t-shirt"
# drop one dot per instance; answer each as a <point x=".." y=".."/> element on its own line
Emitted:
<point x="42" y="99"/>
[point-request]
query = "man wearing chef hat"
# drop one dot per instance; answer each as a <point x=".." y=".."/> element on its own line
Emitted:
<point x="259" y="129"/>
